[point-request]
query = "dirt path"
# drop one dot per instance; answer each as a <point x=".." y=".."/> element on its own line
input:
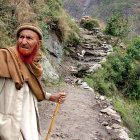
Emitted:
<point x="77" y="119"/>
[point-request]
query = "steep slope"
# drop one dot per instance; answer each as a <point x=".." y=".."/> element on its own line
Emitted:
<point x="83" y="116"/>
<point x="103" y="9"/>
<point x="85" y="122"/>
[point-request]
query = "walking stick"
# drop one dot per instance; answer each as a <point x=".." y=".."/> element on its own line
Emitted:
<point x="53" y="119"/>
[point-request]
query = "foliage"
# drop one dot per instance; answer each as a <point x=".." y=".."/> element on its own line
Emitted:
<point x="106" y="8"/>
<point x="117" y="6"/>
<point x="125" y="108"/>
<point x="122" y="70"/>
<point x="59" y="21"/>
<point x="130" y="112"/>
<point x="117" y="25"/>
<point x="4" y="39"/>
<point x="136" y="116"/>
<point x="48" y="15"/>
<point x="120" y="77"/>
<point x="89" y="23"/>
<point x="8" y="23"/>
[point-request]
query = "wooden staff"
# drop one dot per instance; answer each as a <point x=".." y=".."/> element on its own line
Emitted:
<point x="53" y="119"/>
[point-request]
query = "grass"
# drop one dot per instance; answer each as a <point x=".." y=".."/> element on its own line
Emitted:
<point x="119" y="79"/>
<point x="8" y="23"/>
<point x="53" y="13"/>
<point x="130" y="113"/>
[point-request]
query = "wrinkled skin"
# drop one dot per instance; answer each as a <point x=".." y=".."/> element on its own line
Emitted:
<point x="59" y="97"/>
<point x="27" y="44"/>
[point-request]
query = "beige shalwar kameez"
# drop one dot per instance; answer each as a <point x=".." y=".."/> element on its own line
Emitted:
<point x="18" y="112"/>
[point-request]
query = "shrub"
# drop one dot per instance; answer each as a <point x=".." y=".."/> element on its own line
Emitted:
<point x="59" y="22"/>
<point x="123" y="71"/>
<point x="117" y="25"/>
<point x="89" y="23"/>
<point x="8" y="23"/>
<point x="120" y="78"/>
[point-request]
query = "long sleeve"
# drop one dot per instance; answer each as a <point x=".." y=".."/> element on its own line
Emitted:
<point x="47" y="95"/>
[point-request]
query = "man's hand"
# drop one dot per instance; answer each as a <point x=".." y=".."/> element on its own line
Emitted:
<point x="58" y="97"/>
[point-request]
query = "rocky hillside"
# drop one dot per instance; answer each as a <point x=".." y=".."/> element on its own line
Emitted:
<point x="81" y="55"/>
<point x="85" y="115"/>
<point x="103" y="9"/>
<point x="58" y="29"/>
<point x="88" y="56"/>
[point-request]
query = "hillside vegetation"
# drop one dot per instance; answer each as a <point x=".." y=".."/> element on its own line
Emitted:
<point x="119" y="77"/>
<point x="103" y="9"/>
<point x="48" y="14"/>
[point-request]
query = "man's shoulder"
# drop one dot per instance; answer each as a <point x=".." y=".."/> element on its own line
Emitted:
<point x="7" y="48"/>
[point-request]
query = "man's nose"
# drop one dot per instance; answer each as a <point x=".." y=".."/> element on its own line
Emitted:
<point x="24" y="41"/>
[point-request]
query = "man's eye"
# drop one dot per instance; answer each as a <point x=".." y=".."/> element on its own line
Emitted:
<point x="21" y="36"/>
<point x="29" y="38"/>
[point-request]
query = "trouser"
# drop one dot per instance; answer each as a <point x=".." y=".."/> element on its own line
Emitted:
<point x="20" y="137"/>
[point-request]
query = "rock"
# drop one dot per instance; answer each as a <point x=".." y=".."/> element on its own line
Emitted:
<point x="100" y="114"/>
<point x="91" y="89"/>
<point x="109" y="47"/>
<point x="109" y="111"/>
<point x="49" y="73"/>
<point x="79" y="81"/>
<point x="102" y="98"/>
<point x="84" y="85"/>
<point x="73" y="69"/>
<point x="108" y="128"/>
<point x="100" y="35"/>
<point x="94" y="68"/>
<point x="123" y="135"/>
<point x="81" y="55"/>
<point x="108" y="53"/>
<point x="103" y="60"/>
<point x="96" y="30"/>
<point x="96" y="97"/>
<point x="122" y="45"/>
<point x="116" y="126"/>
<point x="88" y="37"/>
<point x="105" y="123"/>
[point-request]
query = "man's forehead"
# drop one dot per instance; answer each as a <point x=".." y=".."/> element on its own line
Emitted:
<point x="28" y="32"/>
<point x="29" y="26"/>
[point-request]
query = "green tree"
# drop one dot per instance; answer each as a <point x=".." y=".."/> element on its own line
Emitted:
<point x="117" y="25"/>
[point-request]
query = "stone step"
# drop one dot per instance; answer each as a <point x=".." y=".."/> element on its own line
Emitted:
<point x="93" y="59"/>
<point x="95" y="53"/>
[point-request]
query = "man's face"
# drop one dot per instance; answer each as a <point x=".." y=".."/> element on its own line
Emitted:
<point x="28" y="42"/>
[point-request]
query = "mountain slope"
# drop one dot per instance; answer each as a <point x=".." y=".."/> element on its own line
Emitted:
<point x="80" y="117"/>
<point x="103" y="9"/>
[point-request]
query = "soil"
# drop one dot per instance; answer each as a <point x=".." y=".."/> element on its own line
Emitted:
<point x="77" y="119"/>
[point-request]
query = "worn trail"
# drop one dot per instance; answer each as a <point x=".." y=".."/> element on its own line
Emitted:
<point x="77" y="118"/>
<point x="84" y="115"/>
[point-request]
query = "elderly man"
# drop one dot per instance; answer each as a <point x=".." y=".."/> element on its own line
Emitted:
<point x="20" y="87"/>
